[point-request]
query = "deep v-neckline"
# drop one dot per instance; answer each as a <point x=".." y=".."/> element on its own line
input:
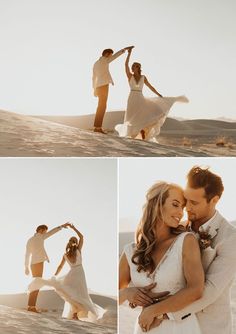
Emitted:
<point x="137" y="83"/>
<point x="165" y="255"/>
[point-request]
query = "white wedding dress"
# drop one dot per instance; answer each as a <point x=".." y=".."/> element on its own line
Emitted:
<point x="147" y="114"/>
<point x="73" y="289"/>
<point x="169" y="276"/>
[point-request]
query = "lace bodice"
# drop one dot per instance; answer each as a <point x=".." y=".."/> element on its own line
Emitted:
<point x="168" y="274"/>
<point x="134" y="86"/>
<point x="77" y="262"/>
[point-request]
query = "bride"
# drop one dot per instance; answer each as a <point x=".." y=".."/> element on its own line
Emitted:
<point x="144" y="116"/>
<point x="72" y="287"/>
<point x="164" y="261"/>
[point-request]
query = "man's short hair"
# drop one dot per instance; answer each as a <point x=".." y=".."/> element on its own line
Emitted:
<point x="203" y="178"/>
<point x="107" y="51"/>
<point x="41" y="227"/>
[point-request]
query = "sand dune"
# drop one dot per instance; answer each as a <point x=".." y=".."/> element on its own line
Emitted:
<point x="25" y="136"/>
<point x="15" y="319"/>
<point x="171" y="124"/>
<point x="86" y="121"/>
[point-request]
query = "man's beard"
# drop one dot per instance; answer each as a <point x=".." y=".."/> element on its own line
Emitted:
<point x="192" y="217"/>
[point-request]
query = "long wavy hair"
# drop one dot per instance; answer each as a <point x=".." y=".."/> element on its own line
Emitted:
<point x="71" y="249"/>
<point x="145" y="234"/>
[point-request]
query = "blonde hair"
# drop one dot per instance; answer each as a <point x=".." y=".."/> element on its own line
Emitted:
<point x="71" y="249"/>
<point x="145" y="234"/>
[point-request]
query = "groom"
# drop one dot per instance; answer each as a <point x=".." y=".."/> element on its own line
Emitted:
<point x="213" y="310"/>
<point x="101" y="80"/>
<point x="36" y="251"/>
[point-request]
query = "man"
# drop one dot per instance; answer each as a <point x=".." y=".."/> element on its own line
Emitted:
<point x="101" y="80"/>
<point x="36" y="251"/>
<point x="213" y="310"/>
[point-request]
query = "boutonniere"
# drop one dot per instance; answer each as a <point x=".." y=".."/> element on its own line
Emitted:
<point x="205" y="238"/>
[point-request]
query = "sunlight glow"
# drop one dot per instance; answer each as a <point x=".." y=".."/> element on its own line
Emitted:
<point x="137" y="175"/>
<point x="49" y="48"/>
<point x="51" y="192"/>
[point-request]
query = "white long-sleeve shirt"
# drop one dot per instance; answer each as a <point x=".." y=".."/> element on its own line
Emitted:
<point x="35" y="251"/>
<point x="101" y="74"/>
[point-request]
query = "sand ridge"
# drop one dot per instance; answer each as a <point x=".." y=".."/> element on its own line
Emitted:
<point x="26" y="136"/>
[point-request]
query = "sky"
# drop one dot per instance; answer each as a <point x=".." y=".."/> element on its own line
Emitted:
<point x="48" y="48"/>
<point x="136" y="176"/>
<point x="52" y="192"/>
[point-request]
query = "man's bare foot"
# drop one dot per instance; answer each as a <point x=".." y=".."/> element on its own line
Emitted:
<point x="33" y="309"/>
<point x="143" y="134"/>
<point x="100" y="130"/>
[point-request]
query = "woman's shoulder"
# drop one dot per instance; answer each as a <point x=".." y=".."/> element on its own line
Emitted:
<point x="190" y="241"/>
<point x="129" y="249"/>
<point x="181" y="231"/>
<point x="186" y="235"/>
<point x="184" y="240"/>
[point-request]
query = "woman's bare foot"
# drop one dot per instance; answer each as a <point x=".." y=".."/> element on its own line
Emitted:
<point x="143" y="134"/>
<point x="75" y="316"/>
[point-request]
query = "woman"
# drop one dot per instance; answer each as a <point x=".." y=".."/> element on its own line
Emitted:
<point x="164" y="261"/>
<point x="72" y="287"/>
<point x="144" y="116"/>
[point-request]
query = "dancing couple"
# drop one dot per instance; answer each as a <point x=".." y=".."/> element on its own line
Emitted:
<point x="181" y="276"/>
<point x="72" y="287"/>
<point x="144" y="116"/>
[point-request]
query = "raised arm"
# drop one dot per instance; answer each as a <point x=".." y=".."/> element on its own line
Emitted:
<point x="194" y="276"/>
<point x="80" y="235"/>
<point x="147" y="83"/>
<point x="118" y="53"/>
<point x="127" y="69"/>
<point x="59" y="268"/>
<point x="55" y="230"/>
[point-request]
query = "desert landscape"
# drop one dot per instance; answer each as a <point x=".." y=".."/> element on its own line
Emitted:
<point x="128" y="316"/>
<point x="72" y="136"/>
<point x="15" y="319"/>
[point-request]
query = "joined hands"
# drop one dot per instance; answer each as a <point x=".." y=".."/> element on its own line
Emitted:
<point x="68" y="225"/>
<point x="129" y="48"/>
<point x="65" y="225"/>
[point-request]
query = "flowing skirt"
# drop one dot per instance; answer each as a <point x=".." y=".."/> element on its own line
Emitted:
<point x="186" y="326"/>
<point x="73" y="289"/>
<point x="147" y="114"/>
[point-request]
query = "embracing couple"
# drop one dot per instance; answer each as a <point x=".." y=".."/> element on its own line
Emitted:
<point x="72" y="287"/>
<point x="181" y="276"/>
<point x="143" y="116"/>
